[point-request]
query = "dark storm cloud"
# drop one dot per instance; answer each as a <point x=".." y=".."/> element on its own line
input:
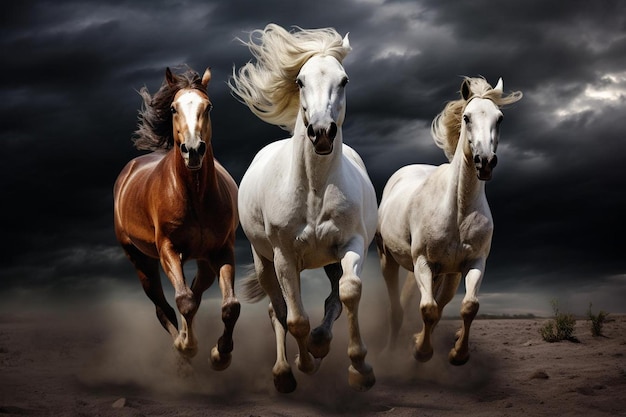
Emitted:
<point x="69" y="107"/>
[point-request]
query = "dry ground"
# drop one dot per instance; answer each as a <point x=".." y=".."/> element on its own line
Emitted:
<point x="113" y="359"/>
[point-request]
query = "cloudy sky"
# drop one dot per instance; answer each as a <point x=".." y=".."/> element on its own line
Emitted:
<point x="68" y="103"/>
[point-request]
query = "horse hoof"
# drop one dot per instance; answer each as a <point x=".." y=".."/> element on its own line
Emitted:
<point x="421" y="356"/>
<point x="308" y="369"/>
<point x="456" y="359"/>
<point x="285" y="383"/>
<point x="361" y="381"/>
<point x="219" y="361"/>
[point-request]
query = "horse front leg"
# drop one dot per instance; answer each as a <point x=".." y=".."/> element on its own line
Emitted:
<point x="423" y="349"/>
<point x="284" y="381"/>
<point x="321" y="336"/>
<point x="297" y="320"/>
<point x="186" y="301"/>
<point x="148" y="271"/>
<point x="221" y="352"/>
<point x="360" y="373"/>
<point x="459" y="354"/>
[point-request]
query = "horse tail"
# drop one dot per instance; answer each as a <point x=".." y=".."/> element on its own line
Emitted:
<point x="251" y="288"/>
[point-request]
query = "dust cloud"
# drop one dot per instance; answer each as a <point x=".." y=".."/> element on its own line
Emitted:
<point x="136" y="354"/>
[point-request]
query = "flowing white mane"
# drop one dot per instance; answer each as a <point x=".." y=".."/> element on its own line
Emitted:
<point x="268" y="86"/>
<point x="446" y="126"/>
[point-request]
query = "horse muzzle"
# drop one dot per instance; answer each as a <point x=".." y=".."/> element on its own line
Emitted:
<point x="193" y="156"/>
<point x="485" y="166"/>
<point x="323" y="138"/>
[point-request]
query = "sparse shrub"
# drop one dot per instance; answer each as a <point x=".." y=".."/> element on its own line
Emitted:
<point x="561" y="328"/>
<point x="597" y="321"/>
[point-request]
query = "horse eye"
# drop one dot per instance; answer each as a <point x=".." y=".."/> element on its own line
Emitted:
<point x="173" y="110"/>
<point x="209" y="107"/>
<point x="344" y="81"/>
<point x="466" y="118"/>
<point x="299" y="82"/>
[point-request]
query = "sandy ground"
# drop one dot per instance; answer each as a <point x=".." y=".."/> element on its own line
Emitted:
<point x="114" y="359"/>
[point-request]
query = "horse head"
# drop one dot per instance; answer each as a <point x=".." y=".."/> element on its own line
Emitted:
<point x="191" y="121"/>
<point x="481" y="126"/>
<point x="322" y="81"/>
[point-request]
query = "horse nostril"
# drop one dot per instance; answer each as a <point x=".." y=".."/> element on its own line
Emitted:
<point x="202" y="148"/>
<point x="183" y="148"/>
<point x="332" y="131"/>
<point x="477" y="160"/>
<point x="310" y="132"/>
<point x="493" y="162"/>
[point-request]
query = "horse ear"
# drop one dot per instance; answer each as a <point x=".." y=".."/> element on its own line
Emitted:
<point x="499" y="86"/>
<point x="206" y="77"/>
<point x="169" y="77"/>
<point x="465" y="89"/>
<point x="346" y="43"/>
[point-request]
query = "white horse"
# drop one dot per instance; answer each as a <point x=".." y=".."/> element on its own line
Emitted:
<point x="435" y="222"/>
<point x="307" y="201"/>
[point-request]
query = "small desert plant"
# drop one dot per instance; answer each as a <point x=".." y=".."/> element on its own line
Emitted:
<point x="561" y="328"/>
<point x="597" y="321"/>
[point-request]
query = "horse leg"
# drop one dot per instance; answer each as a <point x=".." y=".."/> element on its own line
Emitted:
<point x="445" y="290"/>
<point x="284" y="381"/>
<point x="390" y="269"/>
<point x="221" y="352"/>
<point x="409" y="291"/>
<point x="186" y="301"/>
<point x="297" y="319"/>
<point x="459" y="354"/>
<point x="321" y="336"/>
<point x="423" y="349"/>
<point x="360" y="374"/>
<point x="148" y="271"/>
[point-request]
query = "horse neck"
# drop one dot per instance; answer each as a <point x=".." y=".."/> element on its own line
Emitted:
<point x="465" y="187"/>
<point x="308" y="167"/>
<point x="201" y="182"/>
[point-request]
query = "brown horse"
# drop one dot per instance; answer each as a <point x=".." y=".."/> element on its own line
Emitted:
<point x="178" y="203"/>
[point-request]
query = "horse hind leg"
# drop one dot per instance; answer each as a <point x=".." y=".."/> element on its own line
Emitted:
<point x="148" y="271"/>
<point x="390" y="270"/>
<point x="321" y="336"/>
<point x="445" y="290"/>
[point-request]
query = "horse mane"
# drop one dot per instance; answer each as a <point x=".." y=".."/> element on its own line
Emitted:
<point x="446" y="126"/>
<point x="268" y="86"/>
<point x="154" y="129"/>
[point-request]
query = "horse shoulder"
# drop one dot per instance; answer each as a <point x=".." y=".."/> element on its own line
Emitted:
<point x="404" y="200"/>
<point x="266" y="200"/>
<point x="133" y="216"/>
<point x="227" y="190"/>
<point x="354" y="173"/>
<point x="476" y="230"/>
<point x="412" y="221"/>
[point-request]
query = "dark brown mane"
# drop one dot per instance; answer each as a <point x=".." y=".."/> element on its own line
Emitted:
<point x="154" y="130"/>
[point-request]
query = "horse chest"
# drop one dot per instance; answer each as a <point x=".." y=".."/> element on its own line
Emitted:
<point x="195" y="230"/>
<point x="317" y="232"/>
<point x="450" y="244"/>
